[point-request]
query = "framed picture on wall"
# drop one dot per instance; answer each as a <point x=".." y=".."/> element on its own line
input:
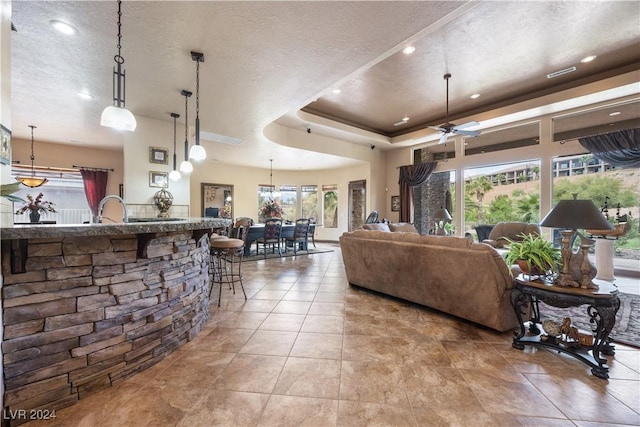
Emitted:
<point x="395" y="203"/>
<point x="158" y="179"/>
<point x="158" y="155"/>
<point x="5" y="145"/>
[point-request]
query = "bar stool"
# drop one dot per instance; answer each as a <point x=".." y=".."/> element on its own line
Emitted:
<point x="226" y="264"/>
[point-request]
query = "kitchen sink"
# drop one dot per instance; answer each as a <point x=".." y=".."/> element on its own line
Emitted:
<point x="130" y="220"/>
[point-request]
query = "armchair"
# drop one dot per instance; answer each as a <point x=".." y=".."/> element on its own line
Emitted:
<point x="510" y="230"/>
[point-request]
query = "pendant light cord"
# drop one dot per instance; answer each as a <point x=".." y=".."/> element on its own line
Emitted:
<point x="33" y="173"/>
<point x="197" y="89"/>
<point x="118" y="58"/>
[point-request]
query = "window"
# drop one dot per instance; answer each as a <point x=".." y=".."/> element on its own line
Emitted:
<point x="65" y="190"/>
<point x="330" y="206"/>
<point x="289" y="201"/>
<point x="598" y="181"/>
<point x="265" y="193"/>
<point x="509" y="192"/>
<point x="309" y="201"/>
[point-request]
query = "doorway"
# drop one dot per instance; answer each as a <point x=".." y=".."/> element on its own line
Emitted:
<point x="357" y="203"/>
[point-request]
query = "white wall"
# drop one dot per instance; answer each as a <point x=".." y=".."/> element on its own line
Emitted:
<point x="245" y="181"/>
<point x="152" y="133"/>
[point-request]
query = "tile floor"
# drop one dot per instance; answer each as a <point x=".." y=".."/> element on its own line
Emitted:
<point x="307" y="349"/>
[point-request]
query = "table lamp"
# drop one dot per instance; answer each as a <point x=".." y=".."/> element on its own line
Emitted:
<point x="441" y="216"/>
<point x="570" y="215"/>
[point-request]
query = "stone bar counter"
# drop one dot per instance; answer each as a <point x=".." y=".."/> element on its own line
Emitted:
<point x="86" y="306"/>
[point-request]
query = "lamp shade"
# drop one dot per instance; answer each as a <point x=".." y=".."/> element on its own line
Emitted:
<point x="186" y="167"/>
<point x="442" y="215"/>
<point x="574" y="214"/>
<point x="197" y="153"/>
<point x="174" y="175"/>
<point x="118" y="118"/>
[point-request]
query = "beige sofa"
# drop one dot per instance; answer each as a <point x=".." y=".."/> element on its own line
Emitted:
<point x="450" y="274"/>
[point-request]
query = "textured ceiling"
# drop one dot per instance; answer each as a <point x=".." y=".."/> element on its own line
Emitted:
<point x="264" y="61"/>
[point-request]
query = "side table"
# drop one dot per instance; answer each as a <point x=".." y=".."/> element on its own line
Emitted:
<point x="602" y="307"/>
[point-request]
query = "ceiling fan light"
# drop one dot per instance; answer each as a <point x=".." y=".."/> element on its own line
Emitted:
<point x="186" y="167"/>
<point x="118" y="118"/>
<point x="174" y="175"/>
<point x="197" y="153"/>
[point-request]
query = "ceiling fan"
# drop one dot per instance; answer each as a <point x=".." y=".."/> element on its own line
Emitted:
<point x="453" y="129"/>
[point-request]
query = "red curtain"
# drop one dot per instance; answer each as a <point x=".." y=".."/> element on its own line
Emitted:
<point x="95" y="187"/>
<point x="410" y="176"/>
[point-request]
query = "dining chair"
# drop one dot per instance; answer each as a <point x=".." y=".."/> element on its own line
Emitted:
<point x="312" y="230"/>
<point x="272" y="237"/>
<point x="372" y="218"/>
<point x="300" y="237"/>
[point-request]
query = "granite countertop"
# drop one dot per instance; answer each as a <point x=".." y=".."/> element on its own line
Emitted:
<point x="154" y="226"/>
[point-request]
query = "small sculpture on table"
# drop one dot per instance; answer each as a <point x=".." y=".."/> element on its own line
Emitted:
<point x="163" y="201"/>
<point x="569" y="334"/>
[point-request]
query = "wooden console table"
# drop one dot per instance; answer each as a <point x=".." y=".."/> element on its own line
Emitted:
<point x="602" y="307"/>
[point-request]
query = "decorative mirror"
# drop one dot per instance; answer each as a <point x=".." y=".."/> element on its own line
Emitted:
<point x="217" y="200"/>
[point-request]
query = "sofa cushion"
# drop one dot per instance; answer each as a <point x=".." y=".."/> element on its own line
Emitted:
<point x="403" y="227"/>
<point x="379" y="226"/>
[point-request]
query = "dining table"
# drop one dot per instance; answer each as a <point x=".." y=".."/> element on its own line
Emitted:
<point x="257" y="230"/>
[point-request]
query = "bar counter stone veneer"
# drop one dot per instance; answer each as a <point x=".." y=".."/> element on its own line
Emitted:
<point x="85" y="307"/>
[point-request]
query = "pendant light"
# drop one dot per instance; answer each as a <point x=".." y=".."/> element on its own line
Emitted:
<point x="271" y="194"/>
<point x="174" y="175"/>
<point x="117" y="116"/>
<point x="197" y="152"/>
<point x="32" y="181"/>
<point x="186" y="167"/>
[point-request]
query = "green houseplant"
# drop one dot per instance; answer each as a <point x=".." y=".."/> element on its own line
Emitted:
<point x="534" y="255"/>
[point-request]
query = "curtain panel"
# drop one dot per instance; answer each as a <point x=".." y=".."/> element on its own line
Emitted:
<point x="410" y="176"/>
<point x="95" y="187"/>
<point x="620" y="149"/>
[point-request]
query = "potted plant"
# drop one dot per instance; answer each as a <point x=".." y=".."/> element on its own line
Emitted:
<point x="271" y="209"/>
<point x="36" y="207"/>
<point x="534" y="255"/>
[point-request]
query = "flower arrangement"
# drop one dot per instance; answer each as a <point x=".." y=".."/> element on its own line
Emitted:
<point x="271" y="209"/>
<point x="225" y="211"/>
<point x="36" y="205"/>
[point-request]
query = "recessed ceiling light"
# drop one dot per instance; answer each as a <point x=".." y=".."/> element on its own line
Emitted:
<point x="336" y="91"/>
<point x="63" y="27"/>
<point x="404" y="120"/>
<point x="85" y="95"/>
<point x="615" y="113"/>
<point x="561" y="72"/>
<point x="588" y="59"/>
<point x="409" y="50"/>
<point x="475" y="96"/>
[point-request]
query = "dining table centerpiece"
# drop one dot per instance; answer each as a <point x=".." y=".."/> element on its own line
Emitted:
<point x="36" y="206"/>
<point x="270" y="209"/>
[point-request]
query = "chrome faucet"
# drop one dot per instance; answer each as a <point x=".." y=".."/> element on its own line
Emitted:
<point x="125" y="216"/>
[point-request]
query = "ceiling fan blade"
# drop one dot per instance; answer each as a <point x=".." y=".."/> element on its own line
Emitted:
<point x="436" y="128"/>
<point x="443" y="138"/>
<point x="466" y="125"/>
<point x="466" y="132"/>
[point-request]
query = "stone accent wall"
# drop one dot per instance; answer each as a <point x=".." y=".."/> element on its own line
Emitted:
<point x="430" y="196"/>
<point x="89" y="312"/>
